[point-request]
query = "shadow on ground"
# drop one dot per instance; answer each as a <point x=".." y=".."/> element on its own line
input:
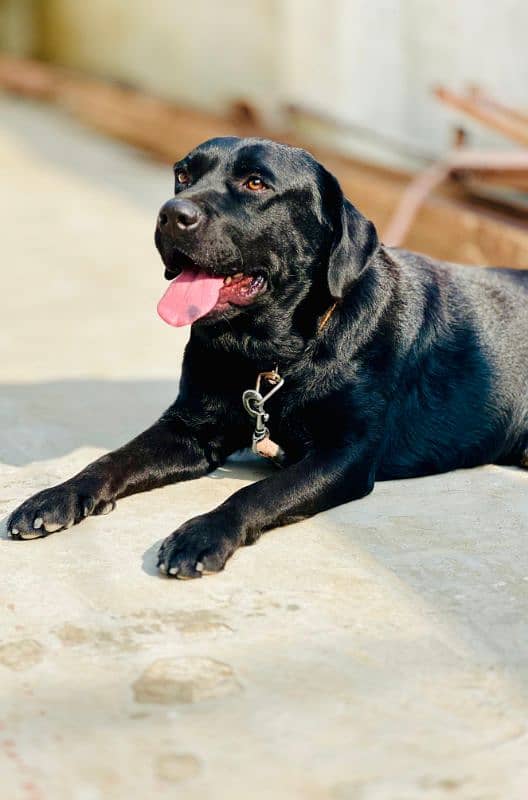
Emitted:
<point x="468" y="561"/>
<point x="41" y="421"/>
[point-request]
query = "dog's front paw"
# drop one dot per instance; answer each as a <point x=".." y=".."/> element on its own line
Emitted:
<point x="55" y="509"/>
<point x="199" y="547"/>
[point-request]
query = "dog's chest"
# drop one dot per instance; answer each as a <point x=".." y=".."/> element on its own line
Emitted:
<point x="287" y="425"/>
<point x="294" y="415"/>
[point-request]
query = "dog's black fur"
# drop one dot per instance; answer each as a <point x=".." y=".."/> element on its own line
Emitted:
<point x="421" y="368"/>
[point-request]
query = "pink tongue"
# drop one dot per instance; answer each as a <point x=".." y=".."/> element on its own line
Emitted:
<point x="190" y="296"/>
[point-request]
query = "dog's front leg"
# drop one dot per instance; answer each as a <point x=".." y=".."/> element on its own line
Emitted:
<point x="318" y="482"/>
<point x="164" y="453"/>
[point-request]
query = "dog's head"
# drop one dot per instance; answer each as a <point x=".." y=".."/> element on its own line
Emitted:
<point x="254" y="223"/>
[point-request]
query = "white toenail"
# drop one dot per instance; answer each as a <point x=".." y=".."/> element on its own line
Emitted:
<point x="163" y="568"/>
<point x="38" y="522"/>
<point x="14" y="531"/>
<point x="199" y="566"/>
<point x="173" y="570"/>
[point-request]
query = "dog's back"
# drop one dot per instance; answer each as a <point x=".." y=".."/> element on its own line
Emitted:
<point x="464" y="393"/>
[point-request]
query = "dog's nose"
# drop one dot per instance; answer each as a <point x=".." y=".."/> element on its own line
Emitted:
<point x="179" y="215"/>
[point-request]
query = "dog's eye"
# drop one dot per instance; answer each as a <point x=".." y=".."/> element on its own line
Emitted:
<point x="255" y="184"/>
<point x="182" y="177"/>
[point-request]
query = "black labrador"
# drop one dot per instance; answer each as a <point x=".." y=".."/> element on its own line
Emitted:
<point x="378" y="363"/>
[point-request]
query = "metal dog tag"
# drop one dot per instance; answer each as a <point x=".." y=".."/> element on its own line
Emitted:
<point x="253" y="401"/>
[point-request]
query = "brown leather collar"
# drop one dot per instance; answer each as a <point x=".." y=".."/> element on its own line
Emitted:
<point x="326" y="317"/>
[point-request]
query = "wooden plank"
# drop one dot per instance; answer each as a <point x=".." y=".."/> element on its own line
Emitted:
<point x="446" y="227"/>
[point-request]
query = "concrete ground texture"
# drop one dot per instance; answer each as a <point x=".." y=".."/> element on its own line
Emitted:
<point x="378" y="651"/>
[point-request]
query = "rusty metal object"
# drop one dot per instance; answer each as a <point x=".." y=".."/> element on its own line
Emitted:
<point x="411" y="201"/>
<point x="497" y="166"/>
<point x="472" y="167"/>
<point x="484" y="98"/>
<point x="493" y="116"/>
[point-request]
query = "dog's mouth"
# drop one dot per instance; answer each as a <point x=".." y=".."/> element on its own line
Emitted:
<point x="196" y="292"/>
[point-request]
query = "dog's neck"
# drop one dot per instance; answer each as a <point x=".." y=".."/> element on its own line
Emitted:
<point x="307" y="328"/>
<point x="267" y="339"/>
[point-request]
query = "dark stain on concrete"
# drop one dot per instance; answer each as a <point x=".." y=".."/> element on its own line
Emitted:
<point x="187" y="680"/>
<point x="21" y="654"/>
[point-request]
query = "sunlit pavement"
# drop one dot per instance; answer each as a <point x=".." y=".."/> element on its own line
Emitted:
<point x="376" y="652"/>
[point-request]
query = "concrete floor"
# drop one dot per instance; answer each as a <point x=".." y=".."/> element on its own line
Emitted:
<point x="376" y="652"/>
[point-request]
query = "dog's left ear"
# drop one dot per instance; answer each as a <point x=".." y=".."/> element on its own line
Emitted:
<point x="355" y="242"/>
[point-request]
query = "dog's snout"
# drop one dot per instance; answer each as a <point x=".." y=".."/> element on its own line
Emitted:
<point x="186" y="213"/>
<point x="178" y="215"/>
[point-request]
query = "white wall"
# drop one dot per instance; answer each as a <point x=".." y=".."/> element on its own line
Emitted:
<point x="370" y="62"/>
<point x="203" y="52"/>
<point x="18" y="26"/>
<point x="373" y="62"/>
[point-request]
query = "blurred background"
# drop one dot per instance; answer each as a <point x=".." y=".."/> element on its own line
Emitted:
<point x="371" y="65"/>
<point x="391" y="87"/>
<point x="378" y="651"/>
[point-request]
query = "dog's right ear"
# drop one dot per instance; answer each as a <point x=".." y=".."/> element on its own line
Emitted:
<point x="355" y="240"/>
